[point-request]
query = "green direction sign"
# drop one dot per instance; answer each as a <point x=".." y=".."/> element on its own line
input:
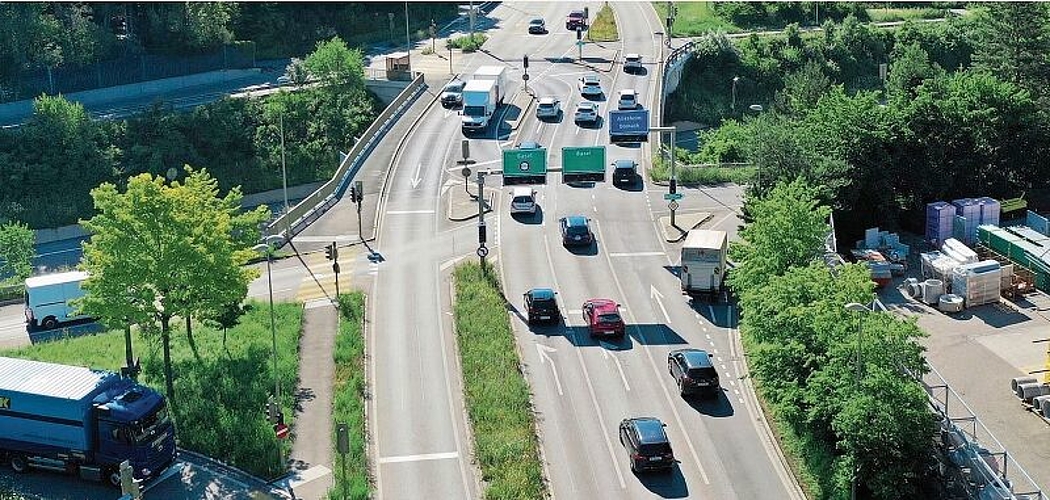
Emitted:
<point x="586" y="164"/>
<point x="673" y="196"/>
<point x="524" y="166"/>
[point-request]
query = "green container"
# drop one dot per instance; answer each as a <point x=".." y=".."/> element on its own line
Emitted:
<point x="996" y="239"/>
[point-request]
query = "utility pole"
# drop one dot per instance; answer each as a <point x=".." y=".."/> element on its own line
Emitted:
<point x="408" y="40"/>
<point x="284" y="170"/>
<point x="482" y="236"/>
<point x="450" y="61"/>
<point x="433" y="36"/>
<point x="472" y="16"/>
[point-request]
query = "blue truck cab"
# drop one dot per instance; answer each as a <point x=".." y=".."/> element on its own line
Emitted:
<point x="75" y="419"/>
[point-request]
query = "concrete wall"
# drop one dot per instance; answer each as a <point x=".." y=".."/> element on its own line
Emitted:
<point x="386" y="90"/>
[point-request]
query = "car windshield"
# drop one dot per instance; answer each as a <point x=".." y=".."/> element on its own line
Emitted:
<point x="655" y="448"/>
<point x="522" y="199"/>
<point x="591" y="84"/>
<point x="147" y="427"/>
<point x="609" y="318"/>
<point x="634" y="58"/>
<point x="584" y="109"/>
<point x="536" y="22"/>
<point x="474" y="111"/>
<point x="702" y="373"/>
<point x="454" y="87"/>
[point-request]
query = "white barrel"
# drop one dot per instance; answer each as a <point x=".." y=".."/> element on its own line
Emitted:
<point x="1040" y="402"/>
<point x="1029" y="391"/>
<point x="951" y="303"/>
<point x="1016" y="381"/>
<point x="915" y="290"/>
<point x="932" y="289"/>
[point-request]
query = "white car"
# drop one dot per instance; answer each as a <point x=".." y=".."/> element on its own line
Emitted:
<point x="632" y="62"/>
<point x="628" y="99"/>
<point x="586" y="112"/>
<point x="523" y="201"/>
<point x="548" y="107"/>
<point x="590" y="85"/>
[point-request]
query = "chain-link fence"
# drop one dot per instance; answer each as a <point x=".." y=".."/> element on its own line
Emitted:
<point x="124" y="70"/>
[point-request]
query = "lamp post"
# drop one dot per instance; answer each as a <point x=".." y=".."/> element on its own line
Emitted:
<point x="268" y="248"/>
<point x="733" y="105"/>
<point x="861" y="308"/>
<point x="408" y="40"/>
<point x="284" y="171"/>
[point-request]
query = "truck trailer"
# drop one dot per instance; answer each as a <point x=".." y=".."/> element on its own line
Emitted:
<point x="703" y="263"/>
<point x="49" y="299"/>
<point x="497" y="74"/>
<point x="81" y="421"/>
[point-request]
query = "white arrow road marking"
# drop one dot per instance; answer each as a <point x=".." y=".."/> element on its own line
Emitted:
<point x="619" y="367"/>
<point x="416" y="179"/>
<point x="656" y="295"/>
<point x="544" y="358"/>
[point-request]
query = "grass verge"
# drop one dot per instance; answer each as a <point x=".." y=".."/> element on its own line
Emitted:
<point x="694" y="19"/>
<point x="349" y="404"/>
<point x="703" y="175"/>
<point x="221" y="395"/>
<point x="466" y="43"/>
<point x="904" y="14"/>
<point x="497" y="395"/>
<point x="603" y="29"/>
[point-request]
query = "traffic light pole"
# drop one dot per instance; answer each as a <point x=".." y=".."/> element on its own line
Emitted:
<point x="673" y="184"/>
<point x="482" y="230"/>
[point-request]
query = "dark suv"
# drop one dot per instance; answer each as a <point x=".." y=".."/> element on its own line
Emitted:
<point x="542" y="306"/>
<point x="576" y="231"/>
<point x="625" y="172"/>
<point x="693" y="371"/>
<point x="646" y="443"/>
<point x="576" y="19"/>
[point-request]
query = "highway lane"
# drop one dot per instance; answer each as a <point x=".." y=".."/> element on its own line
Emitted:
<point x="584" y="387"/>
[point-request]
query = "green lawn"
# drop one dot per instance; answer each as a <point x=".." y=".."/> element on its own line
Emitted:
<point x="603" y="29"/>
<point x="221" y="397"/>
<point x="694" y="19"/>
<point x="349" y="401"/>
<point x="496" y="393"/>
<point x="889" y="15"/>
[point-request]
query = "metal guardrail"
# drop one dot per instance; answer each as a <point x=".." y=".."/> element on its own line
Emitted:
<point x="312" y="207"/>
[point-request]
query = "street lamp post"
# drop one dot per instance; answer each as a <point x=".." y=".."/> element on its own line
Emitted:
<point x="450" y="61"/>
<point x="284" y="170"/>
<point x="733" y="105"/>
<point x="408" y="40"/>
<point x="268" y="248"/>
<point x="864" y="310"/>
<point x="672" y="186"/>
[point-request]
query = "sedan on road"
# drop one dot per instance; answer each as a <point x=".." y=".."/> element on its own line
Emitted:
<point x="647" y="444"/>
<point x="628" y="99"/>
<point x="542" y="306"/>
<point x="693" y="371"/>
<point x="548" y="107"/>
<point x="590" y="86"/>
<point x="603" y="318"/>
<point x="586" y="112"/>
<point x="537" y="26"/>
<point x="625" y="172"/>
<point x="576" y="231"/>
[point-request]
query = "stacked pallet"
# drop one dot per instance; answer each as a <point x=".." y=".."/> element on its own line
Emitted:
<point x="978" y="283"/>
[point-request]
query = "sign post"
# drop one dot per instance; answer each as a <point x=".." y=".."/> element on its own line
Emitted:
<point x="524" y="166"/>
<point x="672" y="188"/>
<point x="342" y="444"/>
<point x="583" y="164"/>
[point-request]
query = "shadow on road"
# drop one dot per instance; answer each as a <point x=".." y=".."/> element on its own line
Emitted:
<point x="716" y="312"/>
<point x="670" y="484"/>
<point x="719" y="406"/>
<point x="70" y="330"/>
<point x="645" y="334"/>
<point x="584" y="251"/>
<point x="531" y="219"/>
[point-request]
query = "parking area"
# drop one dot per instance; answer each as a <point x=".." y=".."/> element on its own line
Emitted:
<point x="977" y="352"/>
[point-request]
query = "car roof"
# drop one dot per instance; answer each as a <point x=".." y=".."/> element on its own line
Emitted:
<point x="536" y="20"/>
<point x="606" y="305"/>
<point x="586" y="104"/>
<point x="455" y="82"/>
<point x="650" y="430"/>
<point x="529" y="145"/>
<point x="522" y="191"/>
<point x="576" y="220"/>
<point x="591" y="79"/>
<point x="628" y="91"/>
<point x="633" y="56"/>
<point x="548" y="100"/>
<point x="695" y="358"/>
<point x="624" y="164"/>
<point x="542" y="293"/>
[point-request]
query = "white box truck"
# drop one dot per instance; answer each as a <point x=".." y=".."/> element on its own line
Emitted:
<point x="703" y="264"/>
<point x="497" y="74"/>
<point x="48" y="299"/>
<point x="479" y="104"/>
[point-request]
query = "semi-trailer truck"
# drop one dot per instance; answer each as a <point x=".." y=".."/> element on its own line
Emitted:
<point x="49" y="299"/>
<point x="81" y="421"/>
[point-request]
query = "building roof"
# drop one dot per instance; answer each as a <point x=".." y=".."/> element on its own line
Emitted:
<point x="49" y="379"/>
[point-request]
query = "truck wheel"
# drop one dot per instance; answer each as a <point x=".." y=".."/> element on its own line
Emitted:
<point x="113" y="477"/>
<point x="19" y="463"/>
<point x="49" y="323"/>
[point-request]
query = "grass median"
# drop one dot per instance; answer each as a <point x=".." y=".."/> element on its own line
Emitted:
<point x="603" y="29"/>
<point x="496" y="393"/>
<point x="349" y="399"/>
<point x="221" y="396"/>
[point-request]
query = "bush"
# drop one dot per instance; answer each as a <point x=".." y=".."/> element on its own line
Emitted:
<point x="221" y="396"/>
<point x="496" y="393"/>
<point x="349" y="404"/>
<point x="468" y="44"/>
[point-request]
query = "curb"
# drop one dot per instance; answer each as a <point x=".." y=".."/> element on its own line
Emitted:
<point x="488" y="204"/>
<point x="683" y="232"/>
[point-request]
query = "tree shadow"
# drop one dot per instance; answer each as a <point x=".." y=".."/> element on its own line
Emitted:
<point x="666" y="484"/>
<point x="69" y="330"/>
<point x="531" y="219"/>
<point x="718" y="406"/>
<point x="712" y="311"/>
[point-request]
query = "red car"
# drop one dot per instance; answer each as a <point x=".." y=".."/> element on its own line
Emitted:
<point x="603" y="317"/>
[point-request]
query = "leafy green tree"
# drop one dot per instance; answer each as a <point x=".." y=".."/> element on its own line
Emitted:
<point x="16" y="250"/>
<point x="335" y="64"/>
<point x="802" y="89"/>
<point x="1014" y="42"/>
<point x="158" y="251"/>
<point x="910" y="67"/>
<point x="297" y="72"/>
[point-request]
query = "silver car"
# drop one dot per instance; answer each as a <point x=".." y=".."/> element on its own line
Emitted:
<point x="590" y="86"/>
<point x="548" y="107"/>
<point x="586" y="112"/>
<point x="632" y="62"/>
<point x="628" y="99"/>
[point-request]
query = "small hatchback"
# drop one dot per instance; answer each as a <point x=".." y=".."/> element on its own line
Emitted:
<point x="542" y="306"/>
<point x="628" y="99"/>
<point x="625" y="172"/>
<point x="647" y="444"/>
<point x="537" y="26"/>
<point x="586" y="112"/>
<point x="693" y="371"/>
<point x="590" y="86"/>
<point x="548" y="107"/>
<point x="523" y="201"/>
<point x="576" y="231"/>
<point x="603" y="318"/>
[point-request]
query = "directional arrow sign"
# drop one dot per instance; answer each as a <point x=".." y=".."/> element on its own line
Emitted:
<point x="524" y="166"/>
<point x="545" y="357"/>
<point x="586" y="164"/>
<point x="656" y="295"/>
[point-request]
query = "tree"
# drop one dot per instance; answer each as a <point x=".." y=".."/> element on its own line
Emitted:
<point x="1014" y="43"/>
<point x="297" y="72"/>
<point x="802" y="89"/>
<point x="335" y="64"/>
<point x="16" y="250"/>
<point x="158" y="251"/>
<point x="910" y="67"/>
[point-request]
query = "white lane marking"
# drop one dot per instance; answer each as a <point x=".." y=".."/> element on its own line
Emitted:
<point x="418" y="458"/>
<point x="619" y="367"/>
<point x="416" y="179"/>
<point x="544" y="351"/>
<point x="408" y="212"/>
<point x="656" y="295"/>
<point x="636" y="254"/>
<point x="317" y="303"/>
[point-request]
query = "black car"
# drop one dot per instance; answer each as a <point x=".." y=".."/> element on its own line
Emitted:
<point x="625" y="172"/>
<point x="576" y="231"/>
<point x="693" y="371"/>
<point x="542" y="306"/>
<point x="537" y="26"/>
<point x="646" y="443"/>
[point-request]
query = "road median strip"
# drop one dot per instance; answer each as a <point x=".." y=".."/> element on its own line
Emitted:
<point x="348" y="403"/>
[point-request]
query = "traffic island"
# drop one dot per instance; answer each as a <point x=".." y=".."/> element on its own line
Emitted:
<point x="683" y="224"/>
<point x="522" y="102"/>
<point x="463" y="206"/>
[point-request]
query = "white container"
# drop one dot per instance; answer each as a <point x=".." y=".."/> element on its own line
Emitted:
<point x="951" y="303"/>
<point x="932" y="289"/>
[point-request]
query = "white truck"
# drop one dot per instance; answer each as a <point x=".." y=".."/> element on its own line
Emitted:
<point x="482" y="95"/>
<point x="703" y="264"/>
<point x="48" y="299"/>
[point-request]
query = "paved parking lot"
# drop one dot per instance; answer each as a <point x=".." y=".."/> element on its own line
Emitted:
<point x="977" y="352"/>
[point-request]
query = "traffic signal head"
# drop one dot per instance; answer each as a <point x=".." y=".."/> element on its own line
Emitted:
<point x="271" y="410"/>
<point x="329" y="251"/>
<point x="481" y="233"/>
<point x="359" y="188"/>
<point x="579" y="33"/>
<point x="525" y="61"/>
<point x="353" y="194"/>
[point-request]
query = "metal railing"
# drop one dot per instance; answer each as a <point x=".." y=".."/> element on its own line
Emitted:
<point x="312" y="207"/>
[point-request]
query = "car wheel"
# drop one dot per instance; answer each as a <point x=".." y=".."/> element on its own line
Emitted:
<point x="19" y="463"/>
<point x="49" y="323"/>
<point x="113" y="477"/>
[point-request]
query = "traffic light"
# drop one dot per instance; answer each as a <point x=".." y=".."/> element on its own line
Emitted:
<point x="674" y="185"/>
<point x="525" y="61"/>
<point x="359" y="191"/>
<point x="481" y="233"/>
<point x="579" y="33"/>
<point x="331" y="252"/>
<point x="271" y="410"/>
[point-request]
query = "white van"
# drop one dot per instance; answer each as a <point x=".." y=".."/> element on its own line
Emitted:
<point x="48" y="299"/>
<point x="523" y="201"/>
<point x="704" y="262"/>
